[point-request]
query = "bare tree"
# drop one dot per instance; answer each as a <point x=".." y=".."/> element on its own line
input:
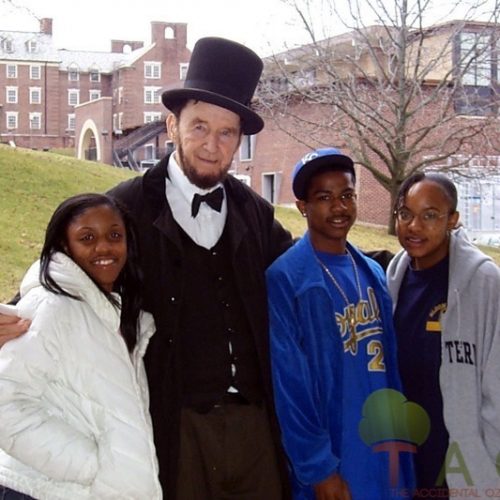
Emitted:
<point x="398" y="95"/>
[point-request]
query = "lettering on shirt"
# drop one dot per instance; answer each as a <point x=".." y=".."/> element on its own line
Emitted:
<point x="359" y="322"/>
<point x="460" y="351"/>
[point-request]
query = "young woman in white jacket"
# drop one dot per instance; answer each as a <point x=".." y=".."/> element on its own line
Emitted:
<point x="446" y="294"/>
<point x="74" y="421"/>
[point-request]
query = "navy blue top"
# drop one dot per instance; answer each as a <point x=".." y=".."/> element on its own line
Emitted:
<point x="421" y="301"/>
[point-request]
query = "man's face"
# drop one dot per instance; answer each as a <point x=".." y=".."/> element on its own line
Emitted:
<point x="330" y="209"/>
<point x="206" y="137"/>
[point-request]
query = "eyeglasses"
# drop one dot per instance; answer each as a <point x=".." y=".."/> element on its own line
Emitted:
<point x="427" y="217"/>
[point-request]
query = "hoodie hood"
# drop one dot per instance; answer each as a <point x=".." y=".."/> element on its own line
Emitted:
<point x="465" y="260"/>
<point x="73" y="280"/>
<point x="465" y="257"/>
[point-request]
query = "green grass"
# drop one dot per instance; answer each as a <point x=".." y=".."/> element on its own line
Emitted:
<point x="33" y="183"/>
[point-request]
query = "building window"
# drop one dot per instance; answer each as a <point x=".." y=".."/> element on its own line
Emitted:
<point x="35" y="71"/>
<point x="120" y="121"/>
<point x="71" y="121"/>
<point x="73" y="97"/>
<point x="476" y="96"/>
<point x="94" y="94"/>
<point x="475" y="59"/>
<point x="183" y="67"/>
<point x="35" y="121"/>
<point x="31" y="46"/>
<point x="35" y="95"/>
<point x="152" y="70"/>
<point x="11" y="119"/>
<point x="94" y="75"/>
<point x="73" y="74"/>
<point x="152" y="95"/>
<point x="11" y="95"/>
<point x="7" y="46"/>
<point x="247" y="147"/>
<point x="11" y="70"/>
<point x="120" y="95"/>
<point x="152" y="117"/>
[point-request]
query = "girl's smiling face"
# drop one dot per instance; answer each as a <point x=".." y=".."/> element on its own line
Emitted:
<point x="96" y="240"/>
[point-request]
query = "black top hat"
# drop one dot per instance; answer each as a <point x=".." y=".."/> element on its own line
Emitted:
<point x="224" y="73"/>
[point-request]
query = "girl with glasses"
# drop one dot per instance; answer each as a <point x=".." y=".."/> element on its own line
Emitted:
<point x="446" y="296"/>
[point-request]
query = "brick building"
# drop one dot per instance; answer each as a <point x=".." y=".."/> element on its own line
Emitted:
<point x="43" y="88"/>
<point x="460" y="59"/>
<point x="107" y="106"/>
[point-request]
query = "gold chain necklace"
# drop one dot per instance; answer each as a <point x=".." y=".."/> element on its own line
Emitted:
<point x="351" y="343"/>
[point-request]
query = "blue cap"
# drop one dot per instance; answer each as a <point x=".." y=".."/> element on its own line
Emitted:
<point x="312" y="161"/>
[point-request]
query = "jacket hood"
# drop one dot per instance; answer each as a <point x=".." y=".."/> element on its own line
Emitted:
<point x="72" y="279"/>
<point x="465" y="257"/>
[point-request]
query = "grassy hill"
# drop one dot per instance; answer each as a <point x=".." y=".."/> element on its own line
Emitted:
<point x="33" y="183"/>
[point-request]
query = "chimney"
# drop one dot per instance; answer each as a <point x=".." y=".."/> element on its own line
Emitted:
<point x="46" y="26"/>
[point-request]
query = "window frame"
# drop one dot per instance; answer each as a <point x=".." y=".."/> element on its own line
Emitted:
<point x="39" y="68"/>
<point x="9" y="67"/>
<point x="32" y="116"/>
<point x="33" y="91"/>
<point x="154" y="68"/>
<point x="73" y="92"/>
<point x="96" y="92"/>
<point x="152" y="95"/>
<point x="15" y="91"/>
<point x="15" y="116"/>
<point x="71" y="122"/>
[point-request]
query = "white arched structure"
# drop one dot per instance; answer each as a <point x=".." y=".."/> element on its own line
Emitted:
<point x="89" y="131"/>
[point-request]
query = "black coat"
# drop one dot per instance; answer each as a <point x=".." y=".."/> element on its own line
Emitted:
<point x="256" y="240"/>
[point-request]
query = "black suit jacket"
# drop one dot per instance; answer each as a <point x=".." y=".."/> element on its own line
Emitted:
<point x="256" y="240"/>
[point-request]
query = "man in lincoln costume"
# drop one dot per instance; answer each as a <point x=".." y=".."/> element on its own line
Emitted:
<point x="206" y="241"/>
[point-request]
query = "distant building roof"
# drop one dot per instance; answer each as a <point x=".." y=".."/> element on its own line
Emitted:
<point x="38" y="47"/>
<point x="27" y="46"/>
<point x="104" y="62"/>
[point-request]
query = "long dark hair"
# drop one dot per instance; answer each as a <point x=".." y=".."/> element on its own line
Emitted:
<point x="129" y="281"/>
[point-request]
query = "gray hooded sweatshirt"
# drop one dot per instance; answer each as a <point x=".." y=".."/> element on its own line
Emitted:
<point x="470" y="366"/>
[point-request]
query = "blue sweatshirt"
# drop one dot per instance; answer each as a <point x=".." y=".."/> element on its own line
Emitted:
<point x="313" y="385"/>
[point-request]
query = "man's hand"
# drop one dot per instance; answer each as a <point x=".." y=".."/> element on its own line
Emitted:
<point x="332" y="488"/>
<point x="12" y="327"/>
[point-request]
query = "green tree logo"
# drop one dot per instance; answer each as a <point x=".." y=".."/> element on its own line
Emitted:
<point x="394" y="425"/>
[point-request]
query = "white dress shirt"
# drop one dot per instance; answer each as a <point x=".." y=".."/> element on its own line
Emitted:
<point x="206" y="228"/>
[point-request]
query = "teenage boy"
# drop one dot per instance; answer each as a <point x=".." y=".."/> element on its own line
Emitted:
<point x="332" y="342"/>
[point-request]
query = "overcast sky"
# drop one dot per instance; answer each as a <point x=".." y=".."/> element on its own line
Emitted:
<point x="263" y="25"/>
<point x="91" y="24"/>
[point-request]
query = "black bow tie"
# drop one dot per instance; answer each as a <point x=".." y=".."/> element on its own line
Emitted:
<point x="212" y="199"/>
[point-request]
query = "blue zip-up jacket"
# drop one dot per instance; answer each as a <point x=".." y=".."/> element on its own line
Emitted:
<point x="307" y="363"/>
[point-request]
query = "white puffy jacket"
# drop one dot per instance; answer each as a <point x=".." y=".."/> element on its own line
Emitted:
<point x="74" y="422"/>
